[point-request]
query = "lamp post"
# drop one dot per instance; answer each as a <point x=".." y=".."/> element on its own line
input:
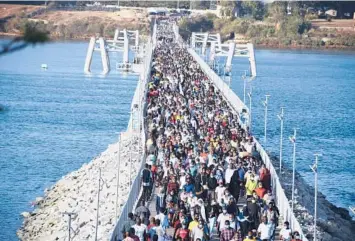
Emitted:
<point x="281" y="118"/>
<point x="244" y="77"/>
<point x="265" y="103"/>
<point x="70" y="214"/>
<point x="315" y="170"/>
<point x="293" y="140"/>
<point x="98" y="204"/>
<point x="250" y="95"/>
<point x="118" y="174"/>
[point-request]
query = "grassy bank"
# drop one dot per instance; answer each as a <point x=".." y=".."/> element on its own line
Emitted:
<point x="291" y="32"/>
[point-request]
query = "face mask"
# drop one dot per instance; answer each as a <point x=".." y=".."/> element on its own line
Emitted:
<point x="200" y="226"/>
<point x="224" y="211"/>
<point x="227" y="226"/>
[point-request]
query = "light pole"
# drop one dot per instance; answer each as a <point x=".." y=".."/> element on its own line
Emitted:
<point x="118" y="174"/>
<point x="250" y="95"/>
<point x="98" y="204"/>
<point x="130" y="150"/>
<point x="244" y="77"/>
<point x="293" y="140"/>
<point x="70" y="214"/>
<point x="315" y="170"/>
<point x="265" y="103"/>
<point x="281" y="118"/>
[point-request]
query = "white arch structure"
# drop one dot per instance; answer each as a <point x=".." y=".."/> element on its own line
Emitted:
<point x="123" y="41"/>
<point x="230" y="50"/>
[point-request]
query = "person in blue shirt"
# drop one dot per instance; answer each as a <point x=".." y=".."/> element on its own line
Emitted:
<point x="189" y="186"/>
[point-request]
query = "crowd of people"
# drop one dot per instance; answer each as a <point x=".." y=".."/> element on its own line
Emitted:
<point x="208" y="178"/>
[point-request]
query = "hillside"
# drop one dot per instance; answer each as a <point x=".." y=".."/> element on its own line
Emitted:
<point x="70" y="24"/>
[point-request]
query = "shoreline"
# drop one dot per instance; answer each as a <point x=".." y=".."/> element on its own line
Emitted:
<point x="77" y="192"/>
<point x="333" y="223"/>
<point x="4" y="35"/>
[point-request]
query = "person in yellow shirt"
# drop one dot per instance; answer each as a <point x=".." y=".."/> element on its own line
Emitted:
<point x="193" y="223"/>
<point x="249" y="237"/>
<point x="251" y="185"/>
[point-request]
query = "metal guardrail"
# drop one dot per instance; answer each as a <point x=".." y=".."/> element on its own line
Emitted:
<point x="136" y="190"/>
<point x="234" y="101"/>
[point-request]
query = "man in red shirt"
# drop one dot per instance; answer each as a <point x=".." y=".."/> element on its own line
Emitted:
<point x="227" y="233"/>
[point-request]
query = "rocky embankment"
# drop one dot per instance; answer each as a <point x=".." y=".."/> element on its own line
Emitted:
<point x="333" y="223"/>
<point x="77" y="192"/>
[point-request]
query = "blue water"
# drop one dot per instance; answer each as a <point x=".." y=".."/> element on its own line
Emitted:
<point x="55" y="121"/>
<point x="317" y="90"/>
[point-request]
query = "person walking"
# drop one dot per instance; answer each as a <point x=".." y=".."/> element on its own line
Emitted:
<point x="128" y="224"/>
<point x="286" y="232"/>
<point x="227" y="233"/>
<point x="147" y="179"/>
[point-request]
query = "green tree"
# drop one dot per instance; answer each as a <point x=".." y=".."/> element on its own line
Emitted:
<point x="254" y="8"/>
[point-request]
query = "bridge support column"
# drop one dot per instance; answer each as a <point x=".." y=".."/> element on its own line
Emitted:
<point x="193" y="40"/>
<point x="212" y="53"/>
<point x="204" y="44"/>
<point x="125" y="47"/>
<point x="89" y="54"/>
<point x="136" y="40"/>
<point x="230" y="57"/>
<point x="104" y="57"/>
<point x="252" y="59"/>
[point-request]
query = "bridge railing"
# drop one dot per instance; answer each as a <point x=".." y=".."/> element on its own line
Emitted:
<point x="234" y="101"/>
<point x="136" y="190"/>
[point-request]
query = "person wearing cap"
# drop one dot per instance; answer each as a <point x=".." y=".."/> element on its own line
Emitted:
<point x="227" y="233"/>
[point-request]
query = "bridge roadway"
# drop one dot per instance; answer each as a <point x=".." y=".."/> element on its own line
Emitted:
<point x="178" y="73"/>
<point x="161" y="88"/>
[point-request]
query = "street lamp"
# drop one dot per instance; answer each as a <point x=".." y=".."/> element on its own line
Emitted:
<point x="70" y="229"/>
<point x="315" y="170"/>
<point x="244" y="77"/>
<point x="281" y="118"/>
<point x="265" y="103"/>
<point x="250" y="95"/>
<point x="293" y="140"/>
<point x="118" y="173"/>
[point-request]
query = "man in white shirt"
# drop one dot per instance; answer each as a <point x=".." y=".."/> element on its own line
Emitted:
<point x="197" y="232"/>
<point x="229" y="172"/>
<point x="265" y="229"/>
<point x="285" y="233"/>
<point x="140" y="229"/>
<point x="222" y="217"/>
<point x="220" y="191"/>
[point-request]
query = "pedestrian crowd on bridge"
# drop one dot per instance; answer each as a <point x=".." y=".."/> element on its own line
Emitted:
<point x="209" y="180"/>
